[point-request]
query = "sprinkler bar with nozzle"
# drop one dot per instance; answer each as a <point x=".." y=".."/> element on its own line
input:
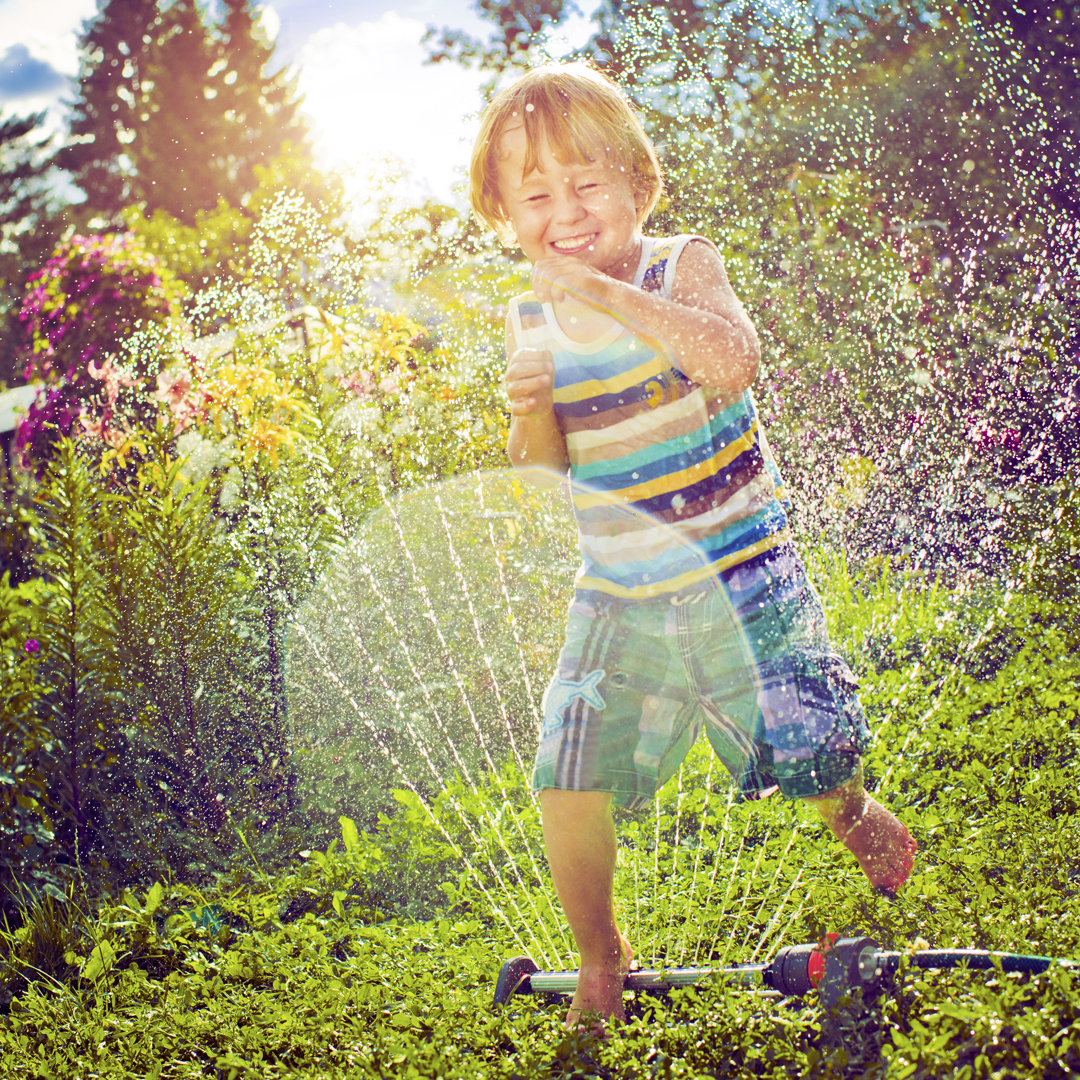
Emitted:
<point x="834" y="968"/>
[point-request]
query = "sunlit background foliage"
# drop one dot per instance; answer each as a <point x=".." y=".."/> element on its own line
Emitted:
<point x="246" y="401"/>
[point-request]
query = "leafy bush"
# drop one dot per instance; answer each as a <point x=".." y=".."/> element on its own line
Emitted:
<point x="77" y="674"/>
<point x="25" y="827"/>
<point x="172" y="560"/>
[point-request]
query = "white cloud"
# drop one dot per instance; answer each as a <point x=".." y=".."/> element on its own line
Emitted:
<point x="52" y="40"/>
<point x="370" y="95"/>
<point x="270" y="20"/>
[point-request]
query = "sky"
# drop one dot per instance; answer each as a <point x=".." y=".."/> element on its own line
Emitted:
<point x="359" y="65"/>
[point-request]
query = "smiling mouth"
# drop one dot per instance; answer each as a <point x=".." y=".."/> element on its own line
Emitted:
<point x="573" y="243"/>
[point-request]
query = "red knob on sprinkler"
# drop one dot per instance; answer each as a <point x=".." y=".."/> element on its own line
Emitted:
<point x="798" y="969"/>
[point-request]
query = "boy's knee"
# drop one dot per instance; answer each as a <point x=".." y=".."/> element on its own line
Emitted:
<point x="555" y="801"/>
<point x="575" y="813"/>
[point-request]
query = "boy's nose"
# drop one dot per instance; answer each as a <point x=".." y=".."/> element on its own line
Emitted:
<point x="568" y="207"/>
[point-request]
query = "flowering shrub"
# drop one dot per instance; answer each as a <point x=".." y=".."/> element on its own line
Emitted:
<point x="81" y="311"/>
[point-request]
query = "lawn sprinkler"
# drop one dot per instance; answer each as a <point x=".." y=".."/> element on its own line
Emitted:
<point x="836" y="967"/>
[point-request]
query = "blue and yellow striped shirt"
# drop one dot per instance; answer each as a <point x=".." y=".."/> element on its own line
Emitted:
<point x="671" y="481"/>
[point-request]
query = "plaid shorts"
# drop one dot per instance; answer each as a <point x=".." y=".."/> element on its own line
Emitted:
<point x="746" y="656"/>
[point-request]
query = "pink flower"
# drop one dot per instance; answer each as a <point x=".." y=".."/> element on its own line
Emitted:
<point x="112" y="378"/>
<point x="172" y="387"/>
<point x="96" y="429"/>
<point x="186" y="404"/>
<point x="32" y="646"/>
<point x="361" y="383"/>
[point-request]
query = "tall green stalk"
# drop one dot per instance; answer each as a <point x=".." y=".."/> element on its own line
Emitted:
<point x="77" y="665"/>
<point x="169" y="594"/>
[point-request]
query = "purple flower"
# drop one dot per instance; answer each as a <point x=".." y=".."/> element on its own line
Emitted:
<point x="32" y="645"/>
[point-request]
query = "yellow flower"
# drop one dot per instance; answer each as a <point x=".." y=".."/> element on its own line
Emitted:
<point x="260" y="408"/>
<point x="267" y="436"/>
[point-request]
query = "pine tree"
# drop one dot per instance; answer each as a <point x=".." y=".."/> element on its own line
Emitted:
<point x="105" y="116"/>
<point x="29" y="222"/>
<point x="265" y="107"/>
<point x="182" y="133"/>
<point x="175" y="112"/>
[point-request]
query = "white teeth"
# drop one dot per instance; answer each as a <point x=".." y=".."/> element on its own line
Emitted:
<point x="573" y="242"/>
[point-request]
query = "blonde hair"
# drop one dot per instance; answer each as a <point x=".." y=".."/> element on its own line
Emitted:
<point x="574" y="109"/>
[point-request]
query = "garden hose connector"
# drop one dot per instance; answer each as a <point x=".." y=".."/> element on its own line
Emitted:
<point x="850" y="964"/>
<point x="795" y="970"/>
<point x="834" y="966"/>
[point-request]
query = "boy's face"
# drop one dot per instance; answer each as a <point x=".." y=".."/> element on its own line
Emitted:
<point x="586" y="210"/>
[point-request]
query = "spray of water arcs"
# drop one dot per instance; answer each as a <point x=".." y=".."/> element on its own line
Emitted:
<point x="419" y="664"/>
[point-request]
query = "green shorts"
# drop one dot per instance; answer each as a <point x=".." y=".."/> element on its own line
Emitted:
<point x="747" y="657"/>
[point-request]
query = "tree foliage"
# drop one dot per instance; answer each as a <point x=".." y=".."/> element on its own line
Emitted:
<point x="518" y="29"/>
<point x="175" y="113"/>
<point x="28" y="221"/>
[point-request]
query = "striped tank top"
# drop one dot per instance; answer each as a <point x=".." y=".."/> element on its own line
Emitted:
<point x="671" y="481"/>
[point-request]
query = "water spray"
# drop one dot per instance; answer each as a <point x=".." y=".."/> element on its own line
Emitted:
<point x="834" y="969"/>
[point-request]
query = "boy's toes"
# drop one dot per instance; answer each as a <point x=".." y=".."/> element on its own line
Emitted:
<point x="890" y="884"/>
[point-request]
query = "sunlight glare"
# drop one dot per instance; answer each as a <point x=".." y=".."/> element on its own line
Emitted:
<point x="371" y="97"/>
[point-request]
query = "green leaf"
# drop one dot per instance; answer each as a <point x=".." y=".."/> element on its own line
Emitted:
<point x="154" y="898"/>
<point x="99" y="961"/>
<point x="349" y="834"/>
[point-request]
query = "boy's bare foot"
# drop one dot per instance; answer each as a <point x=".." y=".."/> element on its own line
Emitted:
<point x="599" y="993"/>
<point x="883" y="847"/>
<point x="878" y="839"/>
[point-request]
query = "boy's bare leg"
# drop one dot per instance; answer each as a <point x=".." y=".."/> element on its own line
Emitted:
<point x="579" y="836"/>
<point x="879" y="841"/>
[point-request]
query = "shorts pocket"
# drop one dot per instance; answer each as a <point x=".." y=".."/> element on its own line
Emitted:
<point x="835" y="714"/>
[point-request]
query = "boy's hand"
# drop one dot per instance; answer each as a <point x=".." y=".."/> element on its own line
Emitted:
<point x="561" y="276"/>
<point x="530" y="381"/>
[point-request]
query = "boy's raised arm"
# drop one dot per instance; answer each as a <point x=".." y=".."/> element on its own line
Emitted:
<point x="703" y="328"/>
<point x="536" y="445"/>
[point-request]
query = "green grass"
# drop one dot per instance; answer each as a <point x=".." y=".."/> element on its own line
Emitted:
<point x="378" y="957"/>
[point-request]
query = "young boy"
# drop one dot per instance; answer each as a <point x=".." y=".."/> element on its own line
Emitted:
<point x="629" y="364"/>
